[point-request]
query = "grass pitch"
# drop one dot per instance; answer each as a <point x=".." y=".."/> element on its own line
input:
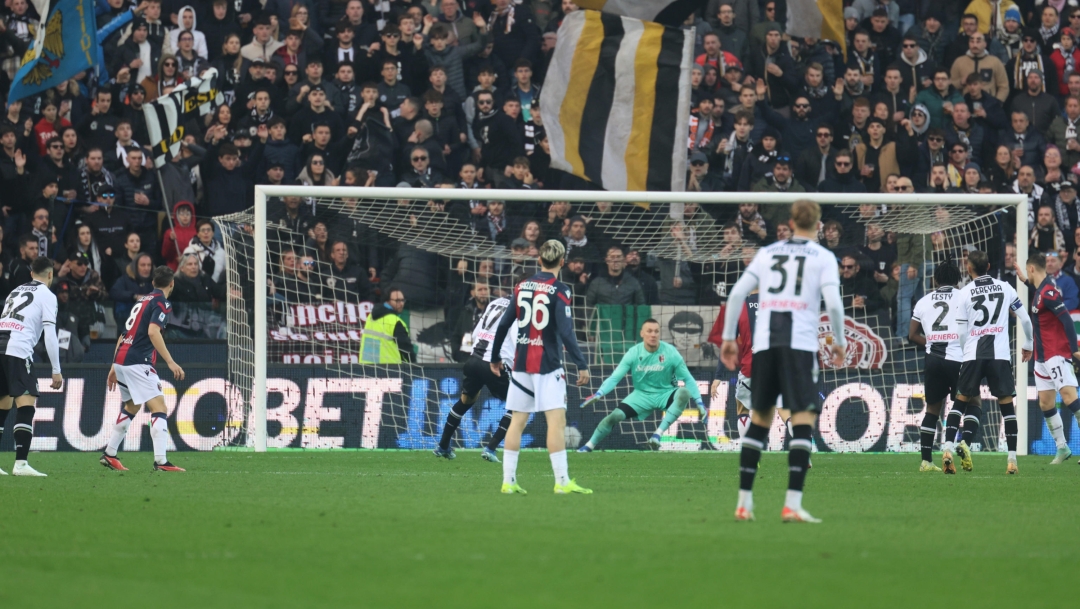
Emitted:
<point x="359" y="529"/>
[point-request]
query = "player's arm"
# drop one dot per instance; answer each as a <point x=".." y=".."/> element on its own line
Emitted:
<point x="158" y="340"/>
<point x="1020" y="311"/>
<point x="564" y="324"/>
<point x="52" y="346"/>
<point x="110" y="381"/>
<point x="616" y="377"/>
<point x="834" y="307"/>
<point x="915" y="334"/>
<point x="729" y="351"/>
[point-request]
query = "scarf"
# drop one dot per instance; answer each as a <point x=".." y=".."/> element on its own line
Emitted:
<point x="509" y="12"/>
<point x="1048" y="33"/>
<point x="866" y="66"/>
<point x="818" y="92"/>
<point x="1064" y="222"/>
<point x="498" y="223"/>
<point x="572" y="242"/>
<point x="757" y="219"/>
<point x="857" y="91"/>
<point x="1011" y="42"/>
<point x="956" y="176"/>
<point x="1070" y="62"/>
<point x="1024" y="64"/>
<point x="729" y="151"/>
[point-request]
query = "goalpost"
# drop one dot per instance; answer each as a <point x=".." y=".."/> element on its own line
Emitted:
<point x="276" y="318"/>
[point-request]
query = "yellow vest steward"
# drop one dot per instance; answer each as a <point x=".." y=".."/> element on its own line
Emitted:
<point x="377" y="345"/>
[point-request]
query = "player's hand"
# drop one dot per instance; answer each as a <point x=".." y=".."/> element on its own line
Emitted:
<point x="110" y="382"/>
<point x="703" y="412"/>
<point x="582" y="378"/>
<point x="1027" y="355"/>
<point x="496" y="368"/>
<point x="838" y="354"/>
<point x="57" y="381"/>
<point x="177" y="371"/>
<point x="729" y="354"/>
<point x="591" y="399"/>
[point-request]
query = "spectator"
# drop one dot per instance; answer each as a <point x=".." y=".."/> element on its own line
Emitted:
<point x="1069" y="291"/>
<point x="513" y="31"/>
<point x="193" y="285"/>
<point x="761" y="162"/>
<point x="386" y="337"/>
<point x="876" y="158"/>
<point x="138" y="191"/>
<point x="842" y="178"/>
<point x="179" y="236"/>
<point x="701" y="180"/>
<point x="88" y="287"/>
<point x="1045" y="235"/>
<point x="978" y="60"/>
<point x="732" y="35"/>
<point x="19" y="269"/>
<point x="915" y="65"/>
<point x="939" y="98"/>
<point x="1026" y="140"/>
<point x="498" y="136"/>
<point x="293" y="285"/>
<point x="781" y="180"/>
<point x="1002" y="172"/>
<point x="109" y="223"/>
<point x="41" y="228"/>
<point x="345" y="281"/>
<point x="229" y="182"/>
<point x="132" y="248"/>
<point x="1063" y="132"/>
<point x="773" y="64"/>
<point x="881" y="254"/>
<point x="933" y="38"/>
<point x="466" y="318"/>
<point x="862" y="297"/>
<point x="961" y="129"/>
<point x="813" y="167"/>
<point x="210" y="251"/>
<point x="93" y="172"/>
<point x="616" y="287"/>
<point x="1040" y="107"/>
<point x="647" y="280"/>
<point x="85" y="245"/>
<point x="263" y="45"/>
<point x="578" y="243"/>
<point x="134" y="283"/>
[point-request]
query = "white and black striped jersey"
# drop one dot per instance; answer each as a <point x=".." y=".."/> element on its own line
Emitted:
<point x="483" y="335"/>
<point x="29" y="308"/>
<point x="790" y="276"/>
<point x="937" y="313"/>
<point x="984" y="306"/>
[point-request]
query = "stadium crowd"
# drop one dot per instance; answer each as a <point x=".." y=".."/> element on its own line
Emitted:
<point x="950" y="96"/>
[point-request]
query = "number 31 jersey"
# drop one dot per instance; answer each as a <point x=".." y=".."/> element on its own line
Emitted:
<point x="135" y="346"/>
<point x="937" y="312"/>
<point x="790" y="275"/>
<point x="28" y="308"/>
<point x="985" y="305"/>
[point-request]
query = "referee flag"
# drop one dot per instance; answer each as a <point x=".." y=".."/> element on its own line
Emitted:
<point x="667" y="12"/>
<point x="616" y="102"/>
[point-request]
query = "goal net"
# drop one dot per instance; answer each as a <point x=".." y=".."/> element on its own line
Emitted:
<point x="333" y="255"/>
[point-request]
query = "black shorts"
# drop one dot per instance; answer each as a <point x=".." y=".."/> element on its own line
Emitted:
<point x="998" y="374"/>
<point x="941" y="379"/>
<point x="17" y="378"/>
<point x="787" y="372"/>
<point x="477" y="375"/>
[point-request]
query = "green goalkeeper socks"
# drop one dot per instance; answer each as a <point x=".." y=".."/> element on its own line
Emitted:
<point x="606" y="425"/>
<point x="682" y="398"/>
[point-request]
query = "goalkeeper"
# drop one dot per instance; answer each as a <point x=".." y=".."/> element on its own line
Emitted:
<point x="654" y="366"/>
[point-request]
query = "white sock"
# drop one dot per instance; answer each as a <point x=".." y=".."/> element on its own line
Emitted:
<point x="746" y="499"/>
<point x="947" y="446"/>
<point x="1012" y="455"/>
<point x="19" y="462"/>
<point x="559" y="466"/>
<point x="510" y="458"/>
<point x="1057" y="429"/>
<point x="119" y="432"/>
<point x="159" y="433"/>
<point x="590" y="445"/>
<point x="793" y="501"/>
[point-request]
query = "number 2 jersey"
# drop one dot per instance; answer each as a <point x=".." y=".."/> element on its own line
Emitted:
<point x="135" y="346"/>
<point x="937" y="312"/>
<point x="984" y="306"/>
<point x="545" y="323"/>
<point x="29" y="308"/>
<point x="483" y="335"/>
<point x="1052" y="325"/>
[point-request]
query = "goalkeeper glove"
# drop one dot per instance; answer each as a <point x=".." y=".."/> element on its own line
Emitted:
<point x="591" y="399"/>
<point x="703" y="413"/>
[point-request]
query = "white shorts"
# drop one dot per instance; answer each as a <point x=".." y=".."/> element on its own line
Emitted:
<point x="138" y="384"/>
<point x="1053" y="374"/>
<point x="742" y="390"/>
<point x="536" y="392"/>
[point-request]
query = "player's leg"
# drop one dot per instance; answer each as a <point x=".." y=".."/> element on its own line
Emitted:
<point x="23" y="434"/>
<point x="159" y="434"/>
<point x="673" y="408"/>
<point x="6" y="403"/>
<point x="511" y="450"/>
<point x="1051" y="378"/>
<point x="556" y="445"/>
<point x="936" y="387"/>
<point x="765" y="380"/>
<point x="453" y="421"/>
<point x="799" y="390"/>
<point x="967" y="392"/>
<point x="498" y="386"/>
<point x="621" y="413"/>
<point x="999" y="377"/>
<point x="109" y="458"/>
<point x="743" y="401"/>
<point x="927" y="433"/>
<point x="1070" y="398"/>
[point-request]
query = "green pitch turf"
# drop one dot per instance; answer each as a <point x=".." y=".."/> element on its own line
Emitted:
<point x="394" y="529"/>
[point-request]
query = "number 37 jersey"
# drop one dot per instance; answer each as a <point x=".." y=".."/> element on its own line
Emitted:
<point x="135" y="346"/>
<point x="984" y="306"/>
<point x="790" y="275"/>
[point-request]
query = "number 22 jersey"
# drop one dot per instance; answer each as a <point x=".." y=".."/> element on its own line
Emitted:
<point x="135" y="346"/>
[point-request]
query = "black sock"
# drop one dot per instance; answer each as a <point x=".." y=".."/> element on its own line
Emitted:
<point x="972" y="415"/>
<point x="952" y="422"/>
<point x="799" y="456"/>
<point x="1008" y="418"/>
<point x="1074" y="407"/>
<point x="453" y="420"/>
<point x="752" y="445"/>
<point x="3" y="418"/>
<point x="23" y="431"/>
<point x="500" y="433"/>
<point x="927" y="432"/>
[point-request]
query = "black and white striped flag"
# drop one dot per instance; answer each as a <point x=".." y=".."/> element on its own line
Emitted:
<point x="166" y="116"/>
<point x="616" y="101"/>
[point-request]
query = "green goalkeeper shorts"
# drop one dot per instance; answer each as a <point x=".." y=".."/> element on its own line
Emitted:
<point x="639" y="404"/>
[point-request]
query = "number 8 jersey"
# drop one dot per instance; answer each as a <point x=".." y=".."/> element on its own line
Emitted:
<point x="984" y="307"/>
<point x="135" y="346"/>
<point x="790" y="275"/>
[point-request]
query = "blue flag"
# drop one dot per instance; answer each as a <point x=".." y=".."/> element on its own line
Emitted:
<point x="65" y="44"/>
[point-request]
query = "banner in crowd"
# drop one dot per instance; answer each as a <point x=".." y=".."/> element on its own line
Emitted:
<point x="666" y="12"/>
<point x="166" y="116"/>
<point x="64" y="44"/>
<point x="819" y="19"/>
<point x="616" y="101"/>
<point x="404" y="408"/>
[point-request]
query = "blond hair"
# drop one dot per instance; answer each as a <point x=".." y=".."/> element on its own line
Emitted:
<point x="551" y="253"/>
<point x="806" y="214"/>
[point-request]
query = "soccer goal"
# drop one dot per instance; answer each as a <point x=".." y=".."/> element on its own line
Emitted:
<point x="298" y="378"/>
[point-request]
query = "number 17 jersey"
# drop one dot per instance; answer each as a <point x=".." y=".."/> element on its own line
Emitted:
<point x="985" y="305"/>
<point x="135" y="346"/>
<point x="790" y="275"/>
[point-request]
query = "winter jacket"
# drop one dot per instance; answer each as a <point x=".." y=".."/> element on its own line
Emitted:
<point x="623" y="290"/>
<point x="200" y="289"/>
<point x="127" y="186"/>
<point x="1041" y="109"/>
<point x="998" y="82"/>
<point x="255" y="50"/>
<point x="128" y="288"/>
<point x="935" y="102"/>
<point x="411" y="270"/>
<point x="914" y="73"/>
<point x="886" y="161"/>
<point x="1061" y="131"/>
<point x="230" y="191"/>
<point x="1058" y="59"/>
<point x="178" y="237"/>
<point x="284" y="152"/>
<point x="732" y="39"/>
<point x="452" y="60"/>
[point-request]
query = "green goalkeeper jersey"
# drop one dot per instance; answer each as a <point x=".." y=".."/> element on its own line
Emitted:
<point x="654" y="372"/>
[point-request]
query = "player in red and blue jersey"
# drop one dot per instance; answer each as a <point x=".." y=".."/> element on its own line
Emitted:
<point x="538" y="382"/>
<point x="133" y="370"/>
<point x="744" y="336"/>
<point x="1055" y="348"/>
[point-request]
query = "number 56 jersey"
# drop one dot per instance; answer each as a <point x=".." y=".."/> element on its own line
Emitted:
<point x="135" y="346"/>
<point x="790" y="275"/>
<point x="985" y="305"/>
